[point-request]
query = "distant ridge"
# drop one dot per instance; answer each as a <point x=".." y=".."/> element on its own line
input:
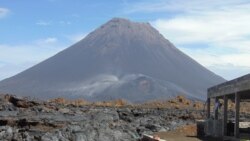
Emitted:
<point x="120" y="59"/>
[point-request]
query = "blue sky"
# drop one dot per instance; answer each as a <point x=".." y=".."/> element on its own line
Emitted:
<point x="214" y="33"/>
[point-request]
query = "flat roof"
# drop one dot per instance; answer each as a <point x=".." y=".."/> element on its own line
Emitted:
<point x="239" y="85"/>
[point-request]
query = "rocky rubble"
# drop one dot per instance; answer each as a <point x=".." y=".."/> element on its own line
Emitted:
<point x="27" y="120"/>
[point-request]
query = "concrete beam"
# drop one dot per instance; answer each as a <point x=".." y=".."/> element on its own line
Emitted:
<point x="227" y="88"/>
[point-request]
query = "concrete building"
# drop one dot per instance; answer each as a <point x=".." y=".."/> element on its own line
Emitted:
<point x="237" y="90"/>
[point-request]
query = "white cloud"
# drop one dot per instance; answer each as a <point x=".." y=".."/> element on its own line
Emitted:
<point x="43" y="23"/>
<point x="210" y="58"/>
<point x="149" y="6"/>
<point x="222" y="26"/>
<point x="16" y="58"/>
<point x="76" y="37"/>
<point x="8" y="70"/>
<point x="64" y="22"/>
<point x="52" y="0"/>
<point x="75" y="15"/>
<point x="207" y="27"/>
<point x="49" y="40"/>
<point x="4" y="12"/>
<point x="49" y="23"/>
<point x="229" y="70"/>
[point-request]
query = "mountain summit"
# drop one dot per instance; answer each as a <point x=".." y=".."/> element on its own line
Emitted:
<point x="120" y="59"/>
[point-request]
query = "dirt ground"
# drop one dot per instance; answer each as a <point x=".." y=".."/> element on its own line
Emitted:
<point x="186" y="133"/>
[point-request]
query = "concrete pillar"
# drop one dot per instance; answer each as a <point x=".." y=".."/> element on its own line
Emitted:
<point x="237" y="111"/>
<point x="208" y="108"/>
<point x="216" y="112"/>
<point x="225" y="115"/>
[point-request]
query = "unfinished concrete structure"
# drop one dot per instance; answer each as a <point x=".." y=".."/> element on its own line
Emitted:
<point x="237" y="90"/>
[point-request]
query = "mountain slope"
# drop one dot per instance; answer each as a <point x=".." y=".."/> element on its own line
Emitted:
<point x="120" y="59"/>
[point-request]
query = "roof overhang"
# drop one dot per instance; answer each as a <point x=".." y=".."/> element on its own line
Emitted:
<point x="239" y="85"/>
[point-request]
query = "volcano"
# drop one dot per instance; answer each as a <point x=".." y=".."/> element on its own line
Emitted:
<point x="119" y="60"/>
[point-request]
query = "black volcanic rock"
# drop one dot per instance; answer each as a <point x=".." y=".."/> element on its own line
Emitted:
<point x="120" y="59"/>
<point x="50" y="121"/>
